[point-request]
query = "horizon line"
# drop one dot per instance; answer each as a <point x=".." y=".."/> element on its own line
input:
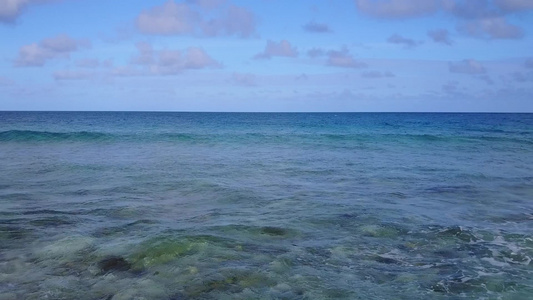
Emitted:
<point x="274" y="112"/>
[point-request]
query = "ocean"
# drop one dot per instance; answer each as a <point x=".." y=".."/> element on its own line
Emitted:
<point x="149" y="205"/>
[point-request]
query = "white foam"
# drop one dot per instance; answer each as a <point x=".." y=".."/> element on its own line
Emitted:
<point x="494" y="262"/>
<point x="500" y="241"/>
<point x="65" y="247"/>
<point x="526" y="262"/>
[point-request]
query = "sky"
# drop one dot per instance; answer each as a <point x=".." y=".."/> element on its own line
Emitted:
<point x="267" y="55"/>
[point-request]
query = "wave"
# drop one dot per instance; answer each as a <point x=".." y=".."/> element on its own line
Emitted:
<point x="89" y="136"/>
<point x="330" y="139"/>
<point x="31" y="135"/>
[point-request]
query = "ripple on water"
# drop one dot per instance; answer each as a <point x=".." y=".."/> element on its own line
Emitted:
<point x="382" y="230"/>
<point x="258" y="232"/>
<point x="128" y="228"/>
<point x="52" y="221"/>
<point x="254" y="261"/>
<point x="10" y="233"/>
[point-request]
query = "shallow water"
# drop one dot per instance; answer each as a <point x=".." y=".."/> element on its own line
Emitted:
<point x="263" y="206"/>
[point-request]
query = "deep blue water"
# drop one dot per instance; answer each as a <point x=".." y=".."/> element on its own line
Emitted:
<point x="123" y="205"/>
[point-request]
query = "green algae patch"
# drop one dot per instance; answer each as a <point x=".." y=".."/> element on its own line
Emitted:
<point x="259" y="232"/>
<point x="255" y="280"/>
<point x="229" y="281"/>
<point x="220" y="285"/>
<point x="162" y="250"/>
<point x="159" y="251"/>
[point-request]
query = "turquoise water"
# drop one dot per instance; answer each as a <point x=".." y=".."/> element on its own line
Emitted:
<point x="265" y="206"/>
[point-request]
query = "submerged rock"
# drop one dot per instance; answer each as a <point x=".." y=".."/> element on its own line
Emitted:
<point x="387" y="260"/>
<point x="459" y="286"/>
<point x="274" y="231"/>
<point x="67" y="247"/>
<point x="114" y="263"/>
<point x="229" y="282"/>
<point x="382" y="231"/>
<point x="161" y="250"/>
<point x="348" y="216"/>
<point x="143" y="289"/>
<point x="458" y="232"/>
<point x="447" y="253"/>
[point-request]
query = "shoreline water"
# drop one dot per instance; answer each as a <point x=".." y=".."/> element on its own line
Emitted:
<point x="239" y="206"/>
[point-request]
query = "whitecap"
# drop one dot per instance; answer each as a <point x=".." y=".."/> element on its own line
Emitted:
<point x="494" y="262"/>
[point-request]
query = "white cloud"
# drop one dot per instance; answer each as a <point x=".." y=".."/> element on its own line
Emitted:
<point x="283" y="49"/>
<point x="316" y="27"/>
<point x="196" y="58"/>
<point x="239" y="21"/>
<point x="343" y="59"/>
<point x="485" y="78"/>
<point x="235" y="21"/>
<point x="169" y="62"/>
<point x="62" y="43"/>
<point x="477" y="18"/>
<point x="33" y="55"/>
<point x="400" y="40"/>
<point x="37" y="54"/>
<point x="89" y="63"/>
<point x="451" y="88"/>
<point x="491" y="27"/>
<point x="302" y="77"/>
<point x="471" y="9"/>
<point x="190" y="17"/>
<point x="125" y="71"/>
<point x="4" y="81"/>
<point x="244" y="79"/>
<point x="169" y="18"/>
<point x="72" y="75"/>
<point x="377" y="74"/>
<point x="467" y="66"/>
<point x="440" y="36"/>
<point x="208" y="4"/>
<point x="514" y="5"/>
<point x="397" y="8"/>
<point x="522" y="76"/>
<point x="316" y="52"/>
<point x="146" y="54"/>
<point x="10" y="10"/>
<point x="529" y="63"/>
<point x="147" y="62"/>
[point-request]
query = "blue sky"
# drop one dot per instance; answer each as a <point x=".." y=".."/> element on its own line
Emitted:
<point x="267" y="55"/>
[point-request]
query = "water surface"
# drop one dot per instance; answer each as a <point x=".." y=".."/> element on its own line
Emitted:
<point x="265" y="206"/>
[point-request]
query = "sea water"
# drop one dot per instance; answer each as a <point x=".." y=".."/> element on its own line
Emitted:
<point x="124" y="205"/>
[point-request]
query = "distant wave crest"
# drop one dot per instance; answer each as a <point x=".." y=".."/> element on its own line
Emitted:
<point x="345" y="139"/>
<point x="31" y="135"/>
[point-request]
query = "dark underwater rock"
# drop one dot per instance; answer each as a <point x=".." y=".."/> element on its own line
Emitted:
<point x="178" y="296"/>
<point x="458" y="232"/>
<point x="114" y="263"/>
<point x="275" y="231"/>
<point x="348" y="216"/>
<point x="386" y="260"/>
<point x="447" y="253"/>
